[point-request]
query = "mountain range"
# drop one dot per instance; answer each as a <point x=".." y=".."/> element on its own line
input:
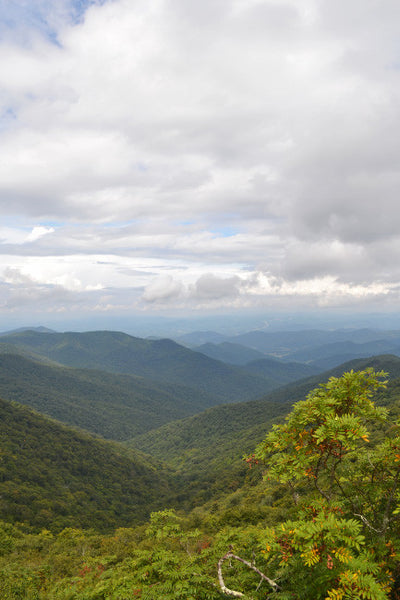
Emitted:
<point x="161" y="399"/>
<point x="320" y="349"/>
<point x="152" y="510"/>
<point x="158" y="360"/>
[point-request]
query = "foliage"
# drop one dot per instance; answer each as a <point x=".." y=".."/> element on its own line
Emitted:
<point x="51" y="476"/>
<point x="323" y="525"/>
<point x="163" y="561"/>
<point x="206" y="449"/>
<point x="345" y="540"/>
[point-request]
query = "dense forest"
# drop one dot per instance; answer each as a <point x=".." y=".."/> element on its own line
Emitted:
<point x="292" y="495"/>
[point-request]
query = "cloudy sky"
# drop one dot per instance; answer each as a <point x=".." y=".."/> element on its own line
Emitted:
<point x="165" y="156"/>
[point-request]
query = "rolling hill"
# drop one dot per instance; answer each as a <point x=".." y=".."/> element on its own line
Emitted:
<point x="280" y="372"/>
<point x="233" y="354"/>
<point x="113" y="406"/>
<point x="158" y="360"/>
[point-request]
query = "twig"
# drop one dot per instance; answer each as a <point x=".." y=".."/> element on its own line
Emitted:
<point x="368" y="524"/>
<point x="229" y="592"/>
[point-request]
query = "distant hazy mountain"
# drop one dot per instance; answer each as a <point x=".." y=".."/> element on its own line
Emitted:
<point x="327" y="355"/>
<point x="234" y="354"/>
<point x="39" y="329"/>
<point x="277" y="372"/>
<point x="288" y="342"/>
<point x="197" y="338"/>
<point x="281" y="372"/>
<point x="323" y="349"/>
<point x="156" y="360"/>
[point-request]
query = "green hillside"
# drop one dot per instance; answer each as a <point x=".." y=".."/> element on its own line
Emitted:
<point x="207" y="449"/>
<point x="280" y="372"/>
<point x="284" y="537"/>
<point x="113" y="406"/>
<point x="52" y="477"/>
<point x="233" y="354"/>
<point x="158" y="360"/>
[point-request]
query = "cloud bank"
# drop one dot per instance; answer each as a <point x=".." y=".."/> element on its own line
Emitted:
<point x="229" y="153"/>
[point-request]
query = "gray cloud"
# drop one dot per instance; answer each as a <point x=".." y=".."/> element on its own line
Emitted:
<point x="211" y="287"/>
<point x="187" y="152"/>
<point x="163" y="288"/>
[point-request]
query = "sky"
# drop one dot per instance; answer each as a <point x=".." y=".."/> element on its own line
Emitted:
<point x="178" y="157"/>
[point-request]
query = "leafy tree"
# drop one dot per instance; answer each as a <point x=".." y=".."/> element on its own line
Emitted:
<point x="344" y="539"/>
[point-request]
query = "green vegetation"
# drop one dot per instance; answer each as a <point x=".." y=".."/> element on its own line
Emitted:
<point x="323" y="524"/>
<point x="344" y="541"/>
<point x="206" y="449"/>
<point x="155" y="360"/>
<point x="234" y="354"/>
<point x="114" y="406"/>
<point x="52" y="477"/>
<point x="316" y="516"/>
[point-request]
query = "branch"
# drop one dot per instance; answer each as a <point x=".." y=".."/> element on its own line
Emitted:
<point x="229" y="592"/>
<point x="386" y="517"/>
<point x="367" y="523"/>
<point x="316" y="485"/>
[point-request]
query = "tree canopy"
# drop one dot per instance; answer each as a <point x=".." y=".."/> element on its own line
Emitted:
<point x="339" y="455"/>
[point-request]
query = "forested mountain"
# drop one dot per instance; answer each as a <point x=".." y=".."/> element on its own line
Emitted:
<point x="281" y="372"/>
<point x="113" y="406"/>
<point x="158" y="360"/>
<point x="207" y="448"/>
<point x="53" y="477"/>
<point x="233" y="354"/>
<point x="319" y="349"/>
<point x="39" y="329"/>
<point x="276" y="372"/>
<point x="252" y="538"/>
<point x="328" y="355"/>
<point x="197" y="338"/>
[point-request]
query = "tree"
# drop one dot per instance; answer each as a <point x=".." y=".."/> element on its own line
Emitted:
<point x="344" y="539"/>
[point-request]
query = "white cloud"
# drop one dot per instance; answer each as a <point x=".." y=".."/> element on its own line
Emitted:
<point x="183" y="152"/>
<point x="38" y="232"/>
<point x="163" y="288"/>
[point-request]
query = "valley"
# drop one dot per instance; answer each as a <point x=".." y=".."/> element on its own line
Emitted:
<point x="137" y="446"/>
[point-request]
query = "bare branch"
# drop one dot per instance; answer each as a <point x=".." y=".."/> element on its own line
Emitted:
<point x="229" y="592"/>
<point x="367" y="523"/>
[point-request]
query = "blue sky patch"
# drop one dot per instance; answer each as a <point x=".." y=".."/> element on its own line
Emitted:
<point x="224" y="231"/>
<point x="41" y="16"/>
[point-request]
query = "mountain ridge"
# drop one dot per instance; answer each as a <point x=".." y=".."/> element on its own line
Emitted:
<point x="115" y="406"/>
<point x="211" y="443"/>
<point x="161" y="360"/>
